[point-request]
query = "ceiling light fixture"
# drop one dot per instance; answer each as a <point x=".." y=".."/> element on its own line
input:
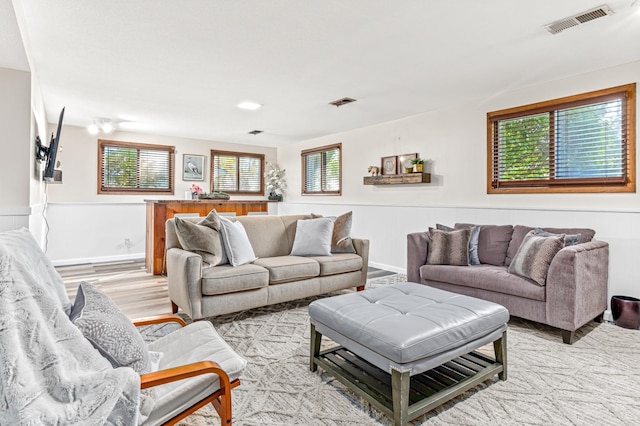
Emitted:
<point x="342" y="101"/>
<point x="255" y="132"/>
<point x="104" y="125"/>
<point x="248" y="105"/>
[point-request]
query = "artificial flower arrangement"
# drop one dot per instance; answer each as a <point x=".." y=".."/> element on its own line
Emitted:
<point x="275" y="181"/>
<point x="196" y="190"/>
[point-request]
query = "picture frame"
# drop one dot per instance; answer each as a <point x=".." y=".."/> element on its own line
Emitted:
<point x="192" y="167"/>
<point x="403" y="160"/>
<point x="389" y="165"/>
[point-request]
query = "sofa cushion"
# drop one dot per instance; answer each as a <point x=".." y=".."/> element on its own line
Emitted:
<point x="225" y="279"/>
<point x="313" y="237"/>
<point x="341" y="241"/>
<point x="520" y="231"/>
<point x="493" y="242"/>
<point x="473" y="242"/>
<point x="201" y="239"/>
<point x="339" y="263"/>
<point x="267" y="234"/>
<point x="236" y="243"/>
<point x="448" y="247"/>
<point x="284" y="269"/>
<point x="533" y="258"/>
<point x="485" y="277"/>
<point x="569" y="239"/>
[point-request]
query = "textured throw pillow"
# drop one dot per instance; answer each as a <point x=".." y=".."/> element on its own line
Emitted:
<point x="236" y="243"/>
<point x="341" y="241"/>
<point x="535" y="255"/>
<point x="448" y="247"/>
<point x="493" y="242"/>
<point x="108" y="329"/>
<point x="313" y="237"/>
<point x="201" y="238"/>
<point x="569" y="239"/>
<point x="473" y="241"/>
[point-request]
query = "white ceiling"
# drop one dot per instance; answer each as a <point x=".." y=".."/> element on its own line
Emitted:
<point x="179" y="67"/>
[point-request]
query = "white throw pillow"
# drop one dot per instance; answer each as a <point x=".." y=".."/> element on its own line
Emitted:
<point x="313" y="237"/>
<point x="236" y="242"/>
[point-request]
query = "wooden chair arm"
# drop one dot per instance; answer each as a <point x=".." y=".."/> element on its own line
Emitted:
<point x="184" y="372"/>
<point x="158" y="319"/>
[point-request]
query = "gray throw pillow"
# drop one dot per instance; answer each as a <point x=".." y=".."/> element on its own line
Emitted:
<point x="448" y="247"/>
<point x="535" y="255"/>
<point x="202" y="238"/>
<point x="313" y="237"/>
<point x="236" y="243"/>
<point x="569" y="239"/>
<point x="341" y="241"/>
<point x="109" y="330"/>
<point x="473" y="241"/>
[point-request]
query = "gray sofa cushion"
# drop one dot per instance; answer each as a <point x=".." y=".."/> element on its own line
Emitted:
<point x="313" y="237"/>
<point x="201" y="238"/>
<point x="520" y="231"/>
<point x="493" y="242"/>
<point x="533" y="258"/>
<point x="236" y="243"/>
<point x="284" y="269"/>
<point x="484" y="277"/>
<point x="224" y="279"/>
<point x="448" y="247"/>
<point x="339" y="263"/>
<point x="473" y="242"/>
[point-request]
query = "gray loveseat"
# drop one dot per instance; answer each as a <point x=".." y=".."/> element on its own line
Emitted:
<point x="576" y="285"/>
<point x="203" y="291"/>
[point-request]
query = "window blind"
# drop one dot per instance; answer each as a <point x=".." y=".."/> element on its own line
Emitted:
<point x="322" y="170"/>
<point x="238" y="173"/>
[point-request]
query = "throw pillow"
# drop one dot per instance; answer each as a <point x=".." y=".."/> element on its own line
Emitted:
<point x="341" y="241"/>
<point x="569" y="239"/>
<point x="236" y="242"/>
<point x="313" y="237"/>
<point x="535" y="255"/>
<point x="493" y="242"/>
<point x="201" y="238"/>
<point x="448" y="247"/>
<point x="473" y="242"/>
<point x="108" y="329"/>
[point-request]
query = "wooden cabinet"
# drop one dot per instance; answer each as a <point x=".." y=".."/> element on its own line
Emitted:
<point x="159" y="211"/>
<point x="398" y="179"/>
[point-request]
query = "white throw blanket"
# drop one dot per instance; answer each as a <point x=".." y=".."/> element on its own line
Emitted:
<point x="49" y="373"/>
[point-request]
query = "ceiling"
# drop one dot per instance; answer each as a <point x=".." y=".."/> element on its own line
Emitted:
<point x="179" y="67"/>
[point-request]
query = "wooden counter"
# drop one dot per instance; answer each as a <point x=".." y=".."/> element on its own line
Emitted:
<point x="158" y="211"/>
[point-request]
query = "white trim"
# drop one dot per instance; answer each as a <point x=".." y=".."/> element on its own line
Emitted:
<point x="15" y="211"/>
<point x="102" y="259"/>
<point x="388" y="268"/>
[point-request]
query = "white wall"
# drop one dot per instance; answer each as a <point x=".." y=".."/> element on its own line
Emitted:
<point x="454" y="142"/>
<point x="89" y="227"/>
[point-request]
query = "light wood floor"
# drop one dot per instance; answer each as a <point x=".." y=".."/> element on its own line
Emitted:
<point x="136" y="292"/>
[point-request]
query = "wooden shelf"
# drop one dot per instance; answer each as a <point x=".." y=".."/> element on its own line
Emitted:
<point x="398" y="179"/>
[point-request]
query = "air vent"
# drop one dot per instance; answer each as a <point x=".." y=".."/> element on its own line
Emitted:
<point x="581" y="18"/>
<point x="256" y="132"/>
<point x="342" y="101"/>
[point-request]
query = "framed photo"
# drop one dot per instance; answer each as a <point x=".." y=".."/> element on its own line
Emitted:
<point x="404" y="162"/>
<point x="389" y="165"/>
<point x="192" y="167"/>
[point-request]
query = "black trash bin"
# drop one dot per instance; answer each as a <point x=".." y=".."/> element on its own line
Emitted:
<point x="626" y="311"/>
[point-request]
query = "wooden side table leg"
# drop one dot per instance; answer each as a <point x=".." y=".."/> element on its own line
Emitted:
<point x="400" y="394"/>
<point x="500" y="348"/>
<point x="316" y="339"/>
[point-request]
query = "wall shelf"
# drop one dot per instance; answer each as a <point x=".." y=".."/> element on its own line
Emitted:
<point x="398" y="179"/>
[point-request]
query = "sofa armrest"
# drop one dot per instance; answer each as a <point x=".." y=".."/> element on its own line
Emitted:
<point x="417" y="249"/>
<point x="184" y="277"/>
<point x="362" y="249"/>
<point x="577" y="285"/>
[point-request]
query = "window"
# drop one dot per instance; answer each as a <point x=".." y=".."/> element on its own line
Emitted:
<point x="237" y="173"/>
<point x="322" y="171"/>
<point x="126" y="168"/>
<point x="582" y="143"/>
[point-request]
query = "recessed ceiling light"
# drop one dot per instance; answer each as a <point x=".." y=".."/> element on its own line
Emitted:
<point x="251" y="106"/>
<point x="255" y="132"/>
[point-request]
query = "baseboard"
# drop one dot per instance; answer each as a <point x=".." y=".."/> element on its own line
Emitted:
<point x="103" y="259"/>
<point x="388" y="267"/>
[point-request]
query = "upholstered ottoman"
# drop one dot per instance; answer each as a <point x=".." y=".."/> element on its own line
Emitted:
<point x="407" y="348"/>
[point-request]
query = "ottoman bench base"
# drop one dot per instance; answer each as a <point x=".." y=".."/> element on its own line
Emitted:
<point x="399" y="395"/>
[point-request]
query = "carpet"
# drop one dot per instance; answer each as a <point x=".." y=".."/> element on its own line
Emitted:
<point x="594" y="381"/>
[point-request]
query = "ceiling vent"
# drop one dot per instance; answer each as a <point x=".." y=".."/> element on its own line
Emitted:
<point x="255" y="132"/>
<point x="342" y="101"/>
<point x="581" y="18"/>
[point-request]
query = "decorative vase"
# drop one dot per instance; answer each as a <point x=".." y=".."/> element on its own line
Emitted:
<point x="274" y="197"/>
<point x="418" y="168"/>
<point x="194" y="196"/>
<point x="408" y="169"/>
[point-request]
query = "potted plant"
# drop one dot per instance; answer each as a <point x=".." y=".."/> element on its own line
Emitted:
<point x="418" y="165"/>
<point x="275" y="182"/>
<point x="196" y="191"/>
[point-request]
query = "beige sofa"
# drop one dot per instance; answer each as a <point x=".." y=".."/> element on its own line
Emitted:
<point x="275" y="277"/>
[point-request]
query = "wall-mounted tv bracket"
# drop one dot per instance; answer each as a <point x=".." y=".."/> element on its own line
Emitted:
<point x="42" y="152"/>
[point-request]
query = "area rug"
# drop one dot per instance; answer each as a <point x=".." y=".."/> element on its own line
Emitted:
<point x="594" y="381"/>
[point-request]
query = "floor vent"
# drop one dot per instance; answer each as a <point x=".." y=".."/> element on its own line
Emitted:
<point x="342" y="101"/>
<point x="581" y="18"/>
<point x="256" y="132"/>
